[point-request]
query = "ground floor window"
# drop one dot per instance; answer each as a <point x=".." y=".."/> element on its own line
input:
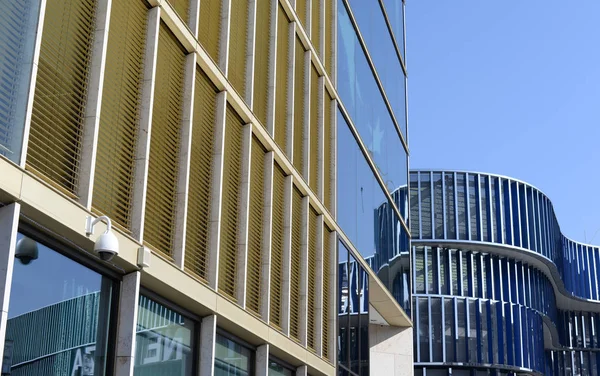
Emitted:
<point x="59" y="314"/>
<point x="232" y="358"/>
<point x="164" y="340"/>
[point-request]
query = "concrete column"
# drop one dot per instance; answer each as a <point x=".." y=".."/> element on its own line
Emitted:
<point x="272" y="68"/>
<point x="94" y="103"/>
<point x="142" y="155"/>
<point x="216" y="194"/>
<point x="290" y="90"/>
<point x="208" y="336"/>
<point x="28" y="90"/>
<point x="302" y="371"/>
<point x="287" y="256"/>
<point x="334" y="123"/>
<point x="319" y="286"/>
<point x="9" y="224"/>
<point x="224" y="37"/>
<point x="262" y="360"/>
<point x="333" y="291"/>
<point x="127" y="322"/>
<point x="306" y="123"/>
<point x="267" y="230"/>
<point x="242" y="236"/>
<point x="304" y="273"/>
<point x="250" y="54"/>
<point x="194" y="17"/>
<point x="391" y="350"/>
<point x="183" y="176"/>
<point x="321" y="139"/>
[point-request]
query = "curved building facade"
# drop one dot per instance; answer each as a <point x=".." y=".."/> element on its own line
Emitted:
<point x="497" y="288"/>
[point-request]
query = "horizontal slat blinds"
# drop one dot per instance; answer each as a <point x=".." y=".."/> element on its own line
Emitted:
<point x="277" y="246"/>
<point x="119" y="118"/>
<point x="255" y="227"/>
<point x="299" y="108"/>
<point x="61" y="92"/>
<point x="238" y="39"/>
<point x="209" y="28"/>
<point x="326" y="288"/>
<point x="296" y="264"/>
<point x="182" y="7"/>
<point x="200" y="184"/>
<point x="314" y="129"/>
<point x="327" y="154"/>
<point x="165" y="143"/>
<point x="315" y="26"/>
<point x="283" y="67"/>
<point x="328" y="48"/>
<point x="301" y="11"/>
<point x="261" y="60"/>
<point x="230" y="212"/>
<point x="312" y="280"/>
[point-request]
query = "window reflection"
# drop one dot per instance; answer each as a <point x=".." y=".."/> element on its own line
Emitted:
<point x="370" y="220"/>
<point x="365" y="105"/>
<point x="18" y="23"/>
<point x="378" y="39"/>
<point x="353" y="337"/>
<point x="164" y="341"/>
<point x="276" y="369"/>
<point x="232" y="358"/>
<point x="67" y="302"/>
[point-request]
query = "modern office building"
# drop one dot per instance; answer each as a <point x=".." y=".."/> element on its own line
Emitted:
<point x="497" y="288"/>
<point x="242" y="150"/>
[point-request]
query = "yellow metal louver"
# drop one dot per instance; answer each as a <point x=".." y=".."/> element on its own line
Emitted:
<point x="165" y="141"/>
<point x="261" y="60"/>
<point x="282" y="84"/>
<point x="182" y="7"/>
<point x="238" y="42"/>
<point x="313" y="248"/>
<point x="61" y="92"/>
<point x="301" y="11"/>
<point x="230" y="203"/>
<point x="327" y="154"/>
<point x="328" y="48"/>
<point x="200" y="183"/>
<point x="315" y="26"/>
<point x="119" y="118"/>
<point x="299" y="108"/>
<point x="255" y="227"/>
<point x="314" y="129"/>
<point x="277" y="246"/>
<point x="295" y="282"/>
<point x="209" y="29"/>
<point x="327" y="288"/>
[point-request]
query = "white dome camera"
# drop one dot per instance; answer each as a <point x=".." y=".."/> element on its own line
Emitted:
<point x="107" y="245"/>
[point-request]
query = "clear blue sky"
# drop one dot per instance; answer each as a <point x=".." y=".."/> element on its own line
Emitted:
<point x="511" y="88"/>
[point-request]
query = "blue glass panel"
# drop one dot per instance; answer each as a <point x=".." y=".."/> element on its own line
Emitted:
<point x="18" y="24"/>
<point x="378" y="39"/>
<point x="363" y="101"/>
<point x="515" y="214"/>
<point x="59" y="312"/>
<point x="395" y="13"/>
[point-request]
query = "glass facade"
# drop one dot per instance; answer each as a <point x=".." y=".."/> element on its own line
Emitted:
<point x="232" y="358"/>
<point x="164" y="341"/>
<point x="18" y="30"/>
<point x="494" y="274"/>
<point x="353" y="316"/>
<point x="372" y="168"/>
<point x="59" y="316"/>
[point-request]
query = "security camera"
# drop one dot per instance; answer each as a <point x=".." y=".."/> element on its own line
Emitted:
<point x="26" y="250"/>
<point x="107" y="245"/>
